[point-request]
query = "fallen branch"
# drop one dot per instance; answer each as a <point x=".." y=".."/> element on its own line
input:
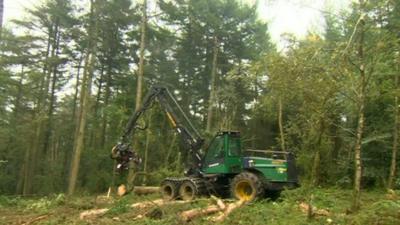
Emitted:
<point x="229" y="209"/>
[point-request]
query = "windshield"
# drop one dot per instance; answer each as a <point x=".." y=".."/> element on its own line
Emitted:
<point x="234" y="146"/>
<point x="215" y="149"/>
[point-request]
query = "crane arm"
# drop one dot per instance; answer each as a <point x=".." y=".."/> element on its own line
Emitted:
<point x="180" y="122"/>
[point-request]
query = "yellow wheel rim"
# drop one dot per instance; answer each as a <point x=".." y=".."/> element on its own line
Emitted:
<point x="244" y="191"/>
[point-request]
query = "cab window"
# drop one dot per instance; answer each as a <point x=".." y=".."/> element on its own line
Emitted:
<point x="234" y="146"/>
<point x="216" y="149"/>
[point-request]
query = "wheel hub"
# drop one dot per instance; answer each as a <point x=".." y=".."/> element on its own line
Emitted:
<point x="244" y="190"/>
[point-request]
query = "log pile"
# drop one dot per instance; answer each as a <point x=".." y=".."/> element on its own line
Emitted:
<point x="140" y="205"/>
<point x="153" y="209"/>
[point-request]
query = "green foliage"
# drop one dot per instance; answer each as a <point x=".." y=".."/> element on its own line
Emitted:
<point x="380" y="212"/>
<point x="121" y="206"/>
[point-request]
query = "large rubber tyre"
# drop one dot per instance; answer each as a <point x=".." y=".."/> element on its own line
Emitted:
<point x="188" y="191"/>
<point x="169" y="190"/>
<point x="247" y="186"/>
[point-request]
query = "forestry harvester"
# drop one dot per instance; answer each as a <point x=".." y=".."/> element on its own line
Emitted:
<point x="221" y="168"/>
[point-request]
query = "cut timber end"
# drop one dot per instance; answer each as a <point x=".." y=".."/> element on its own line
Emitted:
<point x="121" y="191"/>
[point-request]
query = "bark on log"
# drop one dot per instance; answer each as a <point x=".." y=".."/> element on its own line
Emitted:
<point x="144" y="190"/>
<point x="139" y="190"/>
<point x="188" y="215"/>
<point x="157" y="202"/>
<point x="229" y="209"/>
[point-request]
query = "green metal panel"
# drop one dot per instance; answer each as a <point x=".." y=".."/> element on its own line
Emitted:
<point x="272" y="169"/>
<point x="224" y="156"/>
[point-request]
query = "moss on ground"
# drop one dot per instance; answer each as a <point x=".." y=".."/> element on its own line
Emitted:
<point x="377" y="208"/>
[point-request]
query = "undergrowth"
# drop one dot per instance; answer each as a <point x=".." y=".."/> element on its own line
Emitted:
<point x="376" y="209"/>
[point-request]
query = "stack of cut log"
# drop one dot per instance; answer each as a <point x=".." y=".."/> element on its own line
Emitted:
<point x="216" y="205"/>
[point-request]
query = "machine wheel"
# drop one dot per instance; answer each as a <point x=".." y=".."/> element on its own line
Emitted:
<point x="191" y="188"/>
<point x="247" y="186"/>
<point x="169" y="189"/>
<point x="188" y="190"/>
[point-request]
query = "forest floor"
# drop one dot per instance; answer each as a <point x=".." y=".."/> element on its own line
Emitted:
<point x="378" y="208"/>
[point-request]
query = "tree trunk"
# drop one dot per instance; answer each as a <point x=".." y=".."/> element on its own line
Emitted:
<point x="211" y="100"/>
<point x="93" y="140"/>
<point x="106" y="100"/>
<point x="73" y="121"/>
<point x="30" y="154"/>
<point x="84" y="99"/>
<point x="76" y="88"/>
<point x="30" y="160"/>
<point x="280" y="121"/>
<point x="54" y="54"/>
<point x="146" y="149"/>
<point x="317" y="157"/>
<point x="139" y="87"/>
<point x="1" y="15"/>
<point x="393" y="165"/>
<point x="360" y="125"/>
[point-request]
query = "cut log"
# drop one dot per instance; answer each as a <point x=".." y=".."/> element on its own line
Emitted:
<point x="219" y="202"/>
<point x="139" y="205"/>
<point x="229" y="209"/>
<point x="188" y="215"/>
<point x="139" y="190"/>
<point x="121" y="191"/>
<point x="157" y="202"/>
<point x="92" y="213"/>
<point x="144" y="190"/>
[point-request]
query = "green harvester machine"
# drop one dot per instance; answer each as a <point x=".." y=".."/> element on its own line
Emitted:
<point x="223" y="168"/>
